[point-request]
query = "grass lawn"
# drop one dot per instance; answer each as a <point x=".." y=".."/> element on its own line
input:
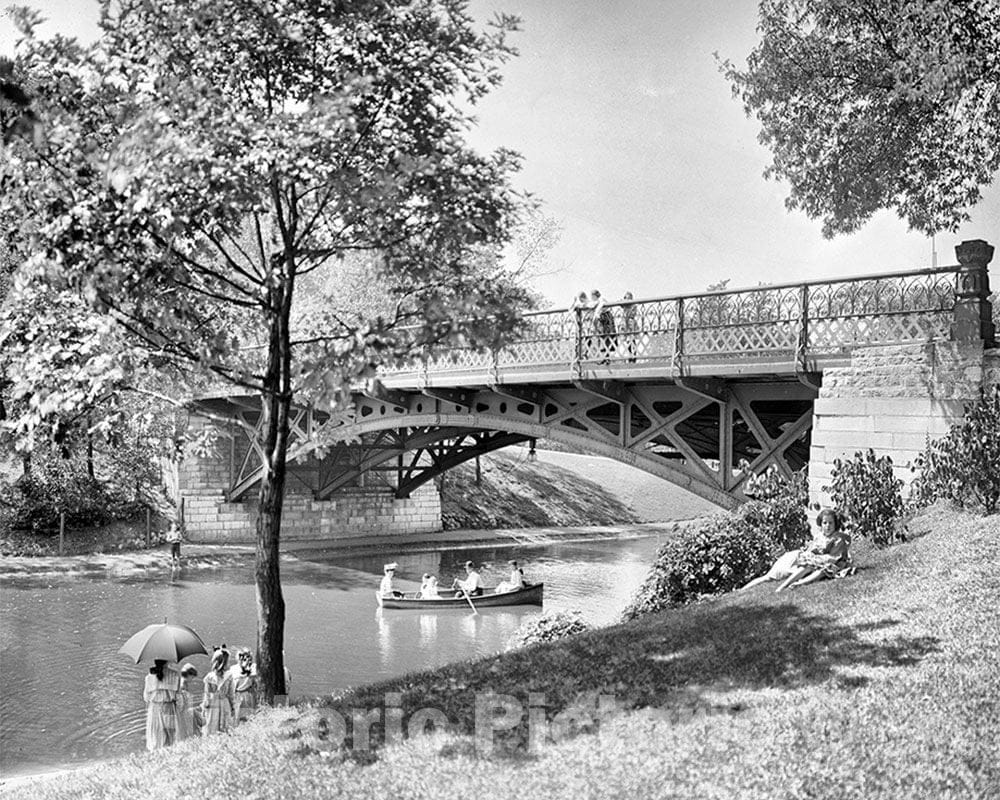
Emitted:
<point x="882" y="685"/>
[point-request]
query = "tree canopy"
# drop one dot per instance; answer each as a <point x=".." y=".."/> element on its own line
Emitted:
<point x="877" y="104"/>
<point x="204" y="157"/>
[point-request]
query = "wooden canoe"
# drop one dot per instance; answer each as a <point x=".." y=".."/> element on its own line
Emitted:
<point x="528" y="596"/>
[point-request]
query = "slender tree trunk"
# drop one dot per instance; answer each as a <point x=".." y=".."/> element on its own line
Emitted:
<point x="276" y="404"/>
<point x="90" y="456"/>
<point x="267" y="576"/>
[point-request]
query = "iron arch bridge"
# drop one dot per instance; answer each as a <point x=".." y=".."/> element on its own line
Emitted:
<point x="684" y="387"/>
<point x="684" y="436"/>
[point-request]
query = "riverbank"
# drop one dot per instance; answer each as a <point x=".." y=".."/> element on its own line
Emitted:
<point x="558" y="491"/>
<point x="204" y="556"/>
<point x="882" y="685"/>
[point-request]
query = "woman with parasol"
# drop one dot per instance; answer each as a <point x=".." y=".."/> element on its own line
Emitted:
<point x="162" y="643"/>
<point x="160" y="693"/>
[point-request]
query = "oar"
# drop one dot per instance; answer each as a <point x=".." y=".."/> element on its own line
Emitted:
<point x="471" y="604"/>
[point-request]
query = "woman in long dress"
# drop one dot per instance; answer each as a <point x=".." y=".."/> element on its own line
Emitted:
<point x="160" y="693"/>
<point x="244" y="676"/>
<point x="219" y="697"/>
<point x="188" y="713"/>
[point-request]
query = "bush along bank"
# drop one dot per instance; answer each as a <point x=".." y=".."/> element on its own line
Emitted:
<point x="725" y="551"/>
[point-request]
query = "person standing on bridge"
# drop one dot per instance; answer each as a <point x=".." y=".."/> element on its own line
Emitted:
<point x="630" y="328"/>
<point x="580" y="309"/>
<point x="604" y="326"/>
<point x="580" y="303"/>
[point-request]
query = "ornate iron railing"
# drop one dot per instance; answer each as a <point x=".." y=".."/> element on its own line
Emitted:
<point x="791" y="321"/>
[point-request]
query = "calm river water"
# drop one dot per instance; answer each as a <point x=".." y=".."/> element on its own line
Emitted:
<point x="67" y="697"/>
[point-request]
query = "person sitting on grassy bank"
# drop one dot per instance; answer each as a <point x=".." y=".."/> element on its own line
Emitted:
<point x="813" y="562"/>
<point x="827" y="560"/>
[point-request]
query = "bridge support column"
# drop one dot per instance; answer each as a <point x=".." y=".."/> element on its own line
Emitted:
<point x="973" y="310"/>
<point x="353" y="511"/>
<point x="892" y="399"/>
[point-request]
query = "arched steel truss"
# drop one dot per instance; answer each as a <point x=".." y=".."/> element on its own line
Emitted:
<point x="693" y="433"/>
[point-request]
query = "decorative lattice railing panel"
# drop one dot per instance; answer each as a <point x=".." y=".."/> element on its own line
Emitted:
<point x="550" y="338"/>
<point x="781" y="321"/>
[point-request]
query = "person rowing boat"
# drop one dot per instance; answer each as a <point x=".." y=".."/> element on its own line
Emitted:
<point x="472" y="586"/>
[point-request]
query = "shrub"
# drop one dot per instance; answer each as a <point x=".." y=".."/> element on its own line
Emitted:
<point x="964" y="465"/>
<point x="718" y="555"/>
<point x="35" y="500"/>
<point x="548" y="628"/>
<point x="727" y="550"/>
<point x="778" y="508"/>
<point x="867" y="492"/>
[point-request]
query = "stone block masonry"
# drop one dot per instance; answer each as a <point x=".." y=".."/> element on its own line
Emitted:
<point x="893" y="399"/>
<point x="352" y="511"/>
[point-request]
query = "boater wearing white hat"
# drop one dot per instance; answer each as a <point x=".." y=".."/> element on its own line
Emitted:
<point x="385" y="588"/>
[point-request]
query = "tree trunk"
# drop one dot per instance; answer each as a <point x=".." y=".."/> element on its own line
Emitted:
<point x="275" y="406"/>
<point x="267" y="577"/>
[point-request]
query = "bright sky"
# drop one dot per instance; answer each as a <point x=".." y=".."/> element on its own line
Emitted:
<point x="632" y="140"/>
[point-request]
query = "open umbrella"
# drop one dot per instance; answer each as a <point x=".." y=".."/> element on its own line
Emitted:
<point x="169" y="642"/>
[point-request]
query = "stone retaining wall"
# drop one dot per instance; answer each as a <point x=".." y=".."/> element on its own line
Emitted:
<point x="892" y="399"/>
<point x="351" y="511"/>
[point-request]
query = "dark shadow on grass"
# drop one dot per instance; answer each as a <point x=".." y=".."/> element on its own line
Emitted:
<point x="675" y="661"/>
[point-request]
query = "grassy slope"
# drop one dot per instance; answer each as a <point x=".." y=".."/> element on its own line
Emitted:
<point x="517" y="494"/>
<point x="884" y="685"/>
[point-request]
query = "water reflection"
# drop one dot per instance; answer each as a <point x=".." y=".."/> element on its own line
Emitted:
<point x="428" y="630"/>
<point x="68" y="697"/>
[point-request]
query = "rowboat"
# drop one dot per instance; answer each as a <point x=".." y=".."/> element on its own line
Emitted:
<point x="528" y="596"/>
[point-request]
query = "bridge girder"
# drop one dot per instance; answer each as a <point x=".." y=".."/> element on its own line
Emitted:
<point x="687" y="436"/>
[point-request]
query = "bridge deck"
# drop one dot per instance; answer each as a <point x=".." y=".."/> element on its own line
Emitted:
<point x="780" y="330"/>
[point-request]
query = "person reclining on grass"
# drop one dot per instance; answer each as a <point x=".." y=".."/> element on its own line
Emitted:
<point x="828" y="561"/>
<point x="794" y="564"/>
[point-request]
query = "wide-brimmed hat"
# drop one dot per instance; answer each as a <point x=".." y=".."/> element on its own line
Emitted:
<point x="389" y="567"/>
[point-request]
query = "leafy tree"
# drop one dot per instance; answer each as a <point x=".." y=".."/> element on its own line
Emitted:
<point x="204" y="156"/>
<point x="877" y="104"/>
